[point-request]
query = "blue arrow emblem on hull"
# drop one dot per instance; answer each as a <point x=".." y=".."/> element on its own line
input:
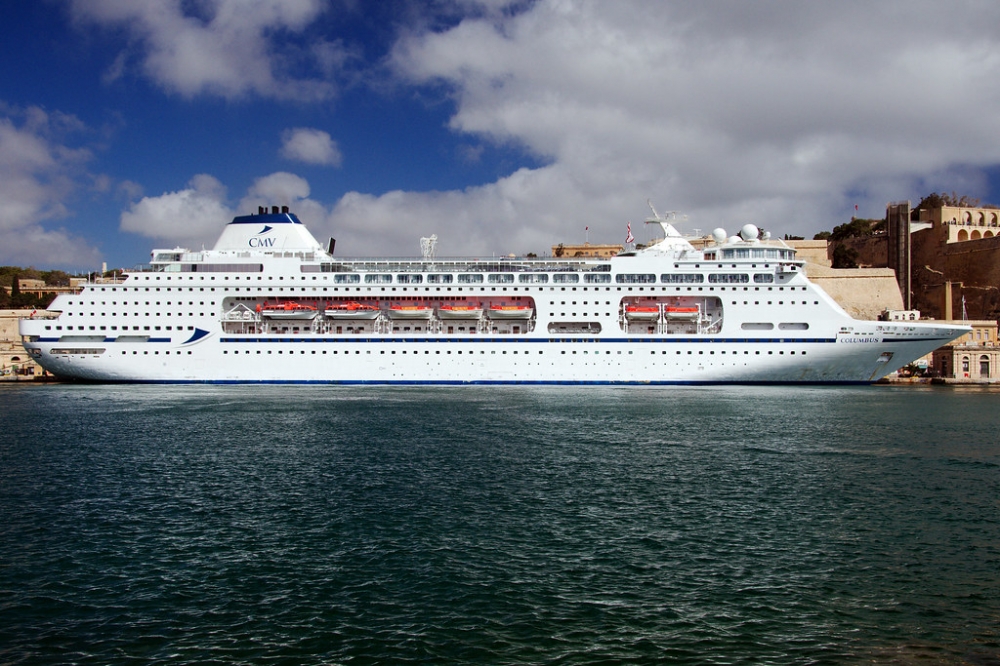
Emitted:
<point x="197" y="335"/>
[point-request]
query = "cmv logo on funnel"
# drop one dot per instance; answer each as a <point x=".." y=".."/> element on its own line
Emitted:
<point x="258" y="239"/>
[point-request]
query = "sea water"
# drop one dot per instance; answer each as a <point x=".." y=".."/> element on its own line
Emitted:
<point x="525" y="525"/>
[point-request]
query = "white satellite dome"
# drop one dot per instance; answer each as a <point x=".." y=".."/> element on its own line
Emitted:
<point x="719" y="235"/>
<point x="749" y="232"/>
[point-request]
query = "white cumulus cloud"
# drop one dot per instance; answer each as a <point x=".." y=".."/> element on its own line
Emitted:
<point x="189" y="217"/>
<point x="39" y="173"/>
<point x="781" y="114"/>
<point x="312" y="146"/>
<point x="228" y="48"/>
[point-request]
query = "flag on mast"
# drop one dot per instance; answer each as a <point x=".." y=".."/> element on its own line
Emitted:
<point x="629" y="238"/>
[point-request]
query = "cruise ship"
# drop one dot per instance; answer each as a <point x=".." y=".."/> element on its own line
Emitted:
<point x="269" y="303"/>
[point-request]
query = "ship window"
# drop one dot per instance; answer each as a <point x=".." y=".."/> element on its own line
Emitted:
<point x="533" y="278"/>
<point x="378" y="278"/>
<point x="596" y="278"/>
<point x="635" y="278"/>
<point x="349" y="278"/>
<point x="682" y="278"/>
<point x="408" y="278"/>
<point x="500" y="278"/>
<point x="439" y="278"/>
<point x="794" y="326"/>
<point x="728" y="278"/>
<point x="470" y="278"/>
<point x="763" y="277"/>
<point x="757" y="326"/>
<point x="565" y="277"/>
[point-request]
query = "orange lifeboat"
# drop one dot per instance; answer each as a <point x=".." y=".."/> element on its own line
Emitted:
<point x="288" y="310"/>
<point x="351" y="310"/>
<point x="511" y="311"/>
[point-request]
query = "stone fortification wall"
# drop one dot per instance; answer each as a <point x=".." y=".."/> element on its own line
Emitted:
<point x="863" y="292"/>
<point x="812" y="251"/>
<point x="974" y="263"/>
<point x="873" y="251"/>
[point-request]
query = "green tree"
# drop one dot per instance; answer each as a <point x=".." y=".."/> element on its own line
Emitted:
<point x="823" y="235"/>
<point x="845" y="257"/>
<point x="858" y="227"/>
<point x="56" y="278"/>
<point x="935" y="200"/>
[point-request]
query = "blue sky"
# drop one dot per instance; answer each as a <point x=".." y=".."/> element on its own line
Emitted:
<point x="499" y="126"/>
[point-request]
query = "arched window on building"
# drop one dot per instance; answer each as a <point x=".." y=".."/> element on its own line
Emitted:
<point x="993" y="219"/>
<point x="982" y="219"/>
<point x="967" y="218"/>
<point x="965" y="365"/>
<point x="976" y="235"/>
<point x="988" y="234"/>
<point x="984" y="366"/>
<point x="963" y="235"/>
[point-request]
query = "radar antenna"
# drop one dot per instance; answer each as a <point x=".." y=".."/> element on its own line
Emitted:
<point x="666" y="217"/>
<point x="664" y="220"/>
<point x="428" y="247"/>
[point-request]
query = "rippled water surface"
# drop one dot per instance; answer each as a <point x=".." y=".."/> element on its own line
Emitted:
<point x="234" y="524"/>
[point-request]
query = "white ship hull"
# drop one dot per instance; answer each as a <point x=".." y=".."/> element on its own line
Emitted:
<point x="574" y="331"/>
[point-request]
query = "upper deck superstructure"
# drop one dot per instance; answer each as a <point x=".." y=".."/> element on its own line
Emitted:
<point x="269" y="304"/>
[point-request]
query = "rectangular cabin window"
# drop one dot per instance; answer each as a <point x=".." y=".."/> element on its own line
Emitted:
<point x="597" y="278"/>
<point x="533" y="278"/>
<point x="378" y="278"/>
<point x="440" y="278"/>
<point x="763" y="278"/>
<point x="346" y="278"/>
<point x="470" y="278"/>
<point x="565" y="278"/>
<point x="409" y="278"/>
<point x="501" y="278"/>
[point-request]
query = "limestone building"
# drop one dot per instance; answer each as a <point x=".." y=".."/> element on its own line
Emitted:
<point x="585" y="250"/>
<point x="15" y="362"/>
<point x="974" y="358"/>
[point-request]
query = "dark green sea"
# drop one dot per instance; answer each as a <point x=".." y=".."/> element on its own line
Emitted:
<point x="507" y="525"/>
